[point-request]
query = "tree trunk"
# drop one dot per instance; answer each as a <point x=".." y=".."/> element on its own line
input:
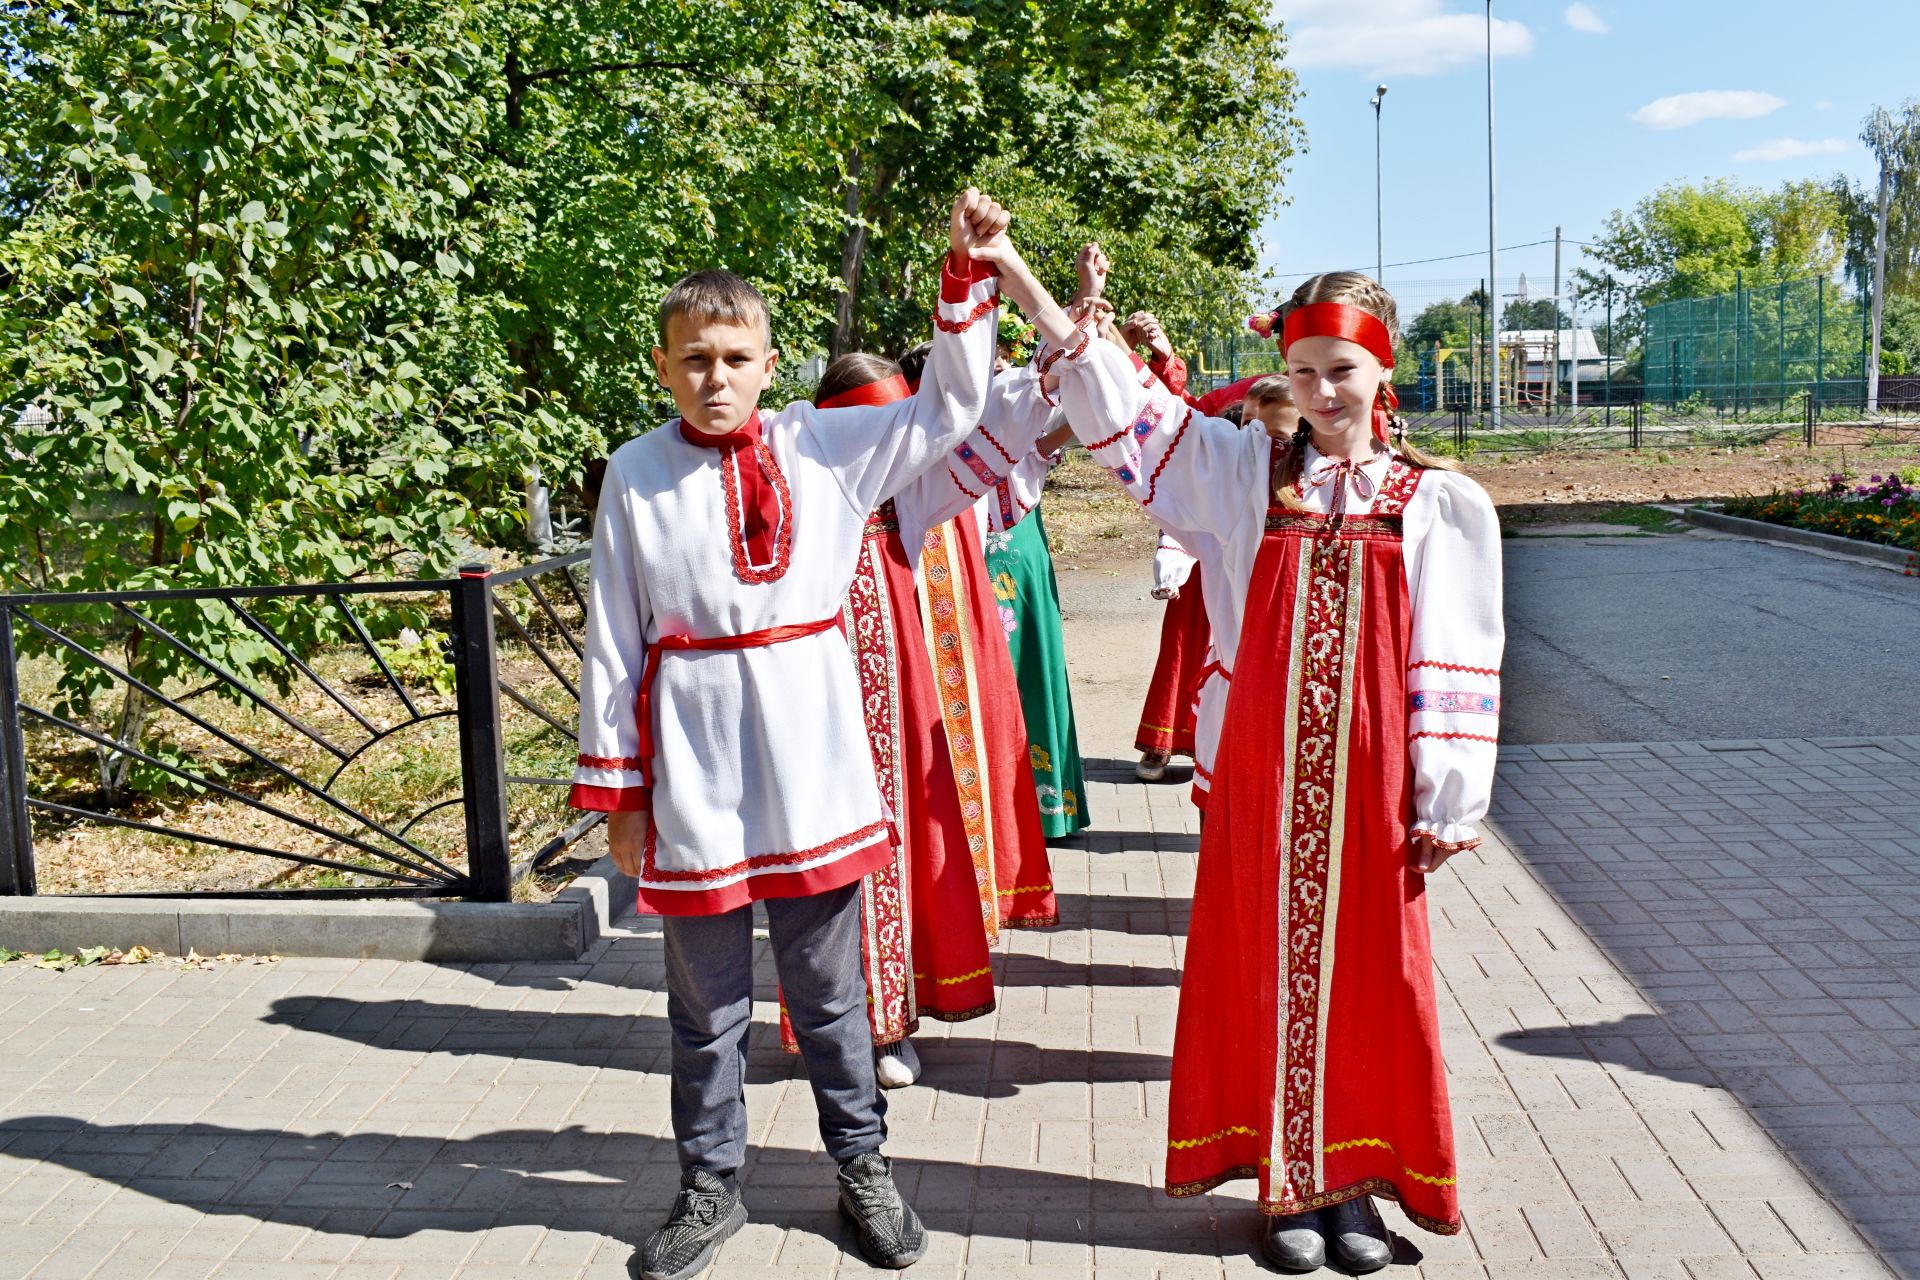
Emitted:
<point x="853" y="248"/>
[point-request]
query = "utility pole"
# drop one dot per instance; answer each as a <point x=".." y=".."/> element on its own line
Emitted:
<point x="1573" y="319"/>
<point x="1879" y="278"/>
<point x="1379" y="240"/>
<point x="1493" y="235"/>
<point x="1553" y="375"/>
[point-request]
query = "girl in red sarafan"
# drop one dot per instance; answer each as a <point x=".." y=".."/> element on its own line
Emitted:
<point x="1357" y="757"/>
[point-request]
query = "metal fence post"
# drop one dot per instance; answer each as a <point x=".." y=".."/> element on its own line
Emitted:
<point x="1639" y="416"/>
<point x="16" y="827"/>
<point x="483" y="768"/>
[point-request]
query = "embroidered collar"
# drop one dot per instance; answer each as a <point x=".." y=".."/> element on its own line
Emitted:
<point x="747" y="433"/>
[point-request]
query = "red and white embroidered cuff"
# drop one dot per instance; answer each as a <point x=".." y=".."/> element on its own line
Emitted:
<point x="957" y="285"/>
<point x="610" y="799"/>
<point x="1454" y="837"/>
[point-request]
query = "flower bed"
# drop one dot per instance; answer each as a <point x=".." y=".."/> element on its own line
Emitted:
<point x="1886" y="510"/>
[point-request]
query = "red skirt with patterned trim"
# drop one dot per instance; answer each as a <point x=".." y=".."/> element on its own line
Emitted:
<point x="922" y="943"/>
<point x="1023" y="877"/>
<point x="1167" y="717"/>
<point x="1307" y="1049"/>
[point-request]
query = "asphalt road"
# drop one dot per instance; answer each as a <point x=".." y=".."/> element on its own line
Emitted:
<point x="1690" y="637"/>
<point x="1675" y="638"/>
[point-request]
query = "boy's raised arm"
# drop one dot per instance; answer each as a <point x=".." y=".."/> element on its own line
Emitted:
<point x="877" y="451"/>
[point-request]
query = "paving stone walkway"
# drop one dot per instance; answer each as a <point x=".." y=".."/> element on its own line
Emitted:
<point x="1680" y="1016"/>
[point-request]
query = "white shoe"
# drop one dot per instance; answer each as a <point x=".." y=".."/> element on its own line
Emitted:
<point x="1152" y="766"/>
<point x="896" y="1066"/>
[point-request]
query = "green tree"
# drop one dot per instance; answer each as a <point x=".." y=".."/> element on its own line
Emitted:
<point x="1534" y="313"/>
<point x="237" y="274"/>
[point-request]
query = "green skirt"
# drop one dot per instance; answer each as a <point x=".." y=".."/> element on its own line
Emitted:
<point x="1021" y="567"/>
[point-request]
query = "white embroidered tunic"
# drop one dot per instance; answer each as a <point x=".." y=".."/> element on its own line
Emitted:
<point x="762" y="780"/>
<point x="1208" y="478"/>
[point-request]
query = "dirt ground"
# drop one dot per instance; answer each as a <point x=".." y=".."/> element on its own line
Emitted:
<point x="1090" y="522"/>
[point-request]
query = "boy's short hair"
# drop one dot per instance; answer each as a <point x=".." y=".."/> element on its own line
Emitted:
<point x="707" y="296"/>
<point x="1272" y="389"/>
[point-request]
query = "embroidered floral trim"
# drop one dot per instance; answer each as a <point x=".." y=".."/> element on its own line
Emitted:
<point x="783" y="538"/>
<point x="1452" y="737"/>
<point x="985" y="474"/>
<point x="1397" y="490"/>
<point x="628" y="763"/>
<point x="980" y="309"/>
<point x="651" y="872"/>
<point x="1454" y="700"/>
<point x="1453" y="666"/>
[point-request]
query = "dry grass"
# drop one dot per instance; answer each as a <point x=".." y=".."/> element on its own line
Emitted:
<point x="405" y="782"/>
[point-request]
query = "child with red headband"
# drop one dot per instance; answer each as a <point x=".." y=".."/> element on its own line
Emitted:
<point x="1357" y="757"/>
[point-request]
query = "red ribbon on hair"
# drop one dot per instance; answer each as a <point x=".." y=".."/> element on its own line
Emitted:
<point x="885" y="391"/>
<point x="1343" y="320"/>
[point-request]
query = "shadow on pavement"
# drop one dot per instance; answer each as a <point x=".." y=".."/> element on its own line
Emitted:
<point x="973" y="1066"/>
<point x="1765" y="898"/>
<point x="619" y="1185"/>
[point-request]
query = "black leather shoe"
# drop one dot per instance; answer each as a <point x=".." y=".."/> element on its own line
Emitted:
<point x="1357" y="1235"/>
<point x="1293" y="1243"/>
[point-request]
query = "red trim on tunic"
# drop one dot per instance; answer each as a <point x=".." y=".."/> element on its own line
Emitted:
<point x="957" y="286"/>
<point x="609" y="799"/>
<point x="607" y="762"/>
<point x="1454" y="666"/>
<point x="1153" y="481"/>
<point x="651" y="870"/>
<point x="843" y="870"/>
<point x="1452" y="737"/>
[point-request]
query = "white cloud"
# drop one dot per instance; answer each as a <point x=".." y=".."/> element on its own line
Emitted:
<point x="1793" y="149"/>
<point x="1684" y="109"/>
<point x="1581" y="17"/>
<point x="1396" y="37"/>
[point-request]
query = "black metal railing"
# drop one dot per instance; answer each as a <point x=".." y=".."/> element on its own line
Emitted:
<point x="305" y="724"/>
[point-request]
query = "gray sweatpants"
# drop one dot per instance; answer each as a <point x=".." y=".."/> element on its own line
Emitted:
<point x="816" y="950"/>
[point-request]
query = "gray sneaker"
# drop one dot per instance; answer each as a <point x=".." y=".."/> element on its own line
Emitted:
<point x="1293" y="1242"/>
<point x="888" y="1231"/>
<point x="705" y="1213"/>
<point x="1358" y="1237"/>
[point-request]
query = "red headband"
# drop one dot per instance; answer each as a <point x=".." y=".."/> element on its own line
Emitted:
<point x="1339" y="320"/>
<point x="885" y="391"/>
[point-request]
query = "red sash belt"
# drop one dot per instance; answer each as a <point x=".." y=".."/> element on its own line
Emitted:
<point x="643" y="705"/>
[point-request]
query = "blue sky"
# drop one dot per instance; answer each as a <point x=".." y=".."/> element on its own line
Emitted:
<point x="1584" y="122"/>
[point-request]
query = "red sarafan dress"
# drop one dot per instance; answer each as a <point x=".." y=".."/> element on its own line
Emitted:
<point x="929" y="913"/>
<point x="986" y="728"/>
<point x="1167" y="716"/>
<point x="1363" y="707"/>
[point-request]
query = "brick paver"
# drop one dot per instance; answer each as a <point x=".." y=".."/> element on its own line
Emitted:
<point x="1678" y="1003"/>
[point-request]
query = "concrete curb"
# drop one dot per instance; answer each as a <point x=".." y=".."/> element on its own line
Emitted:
<point x="365" y="929"/>
<point x="1808" y="539"/>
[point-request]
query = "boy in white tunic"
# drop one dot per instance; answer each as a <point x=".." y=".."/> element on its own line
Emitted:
<point x="721" y="726"/>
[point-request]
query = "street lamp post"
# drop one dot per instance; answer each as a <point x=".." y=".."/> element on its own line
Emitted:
<point x="1379" y="252"/>
<point x="1493" y="233"/>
